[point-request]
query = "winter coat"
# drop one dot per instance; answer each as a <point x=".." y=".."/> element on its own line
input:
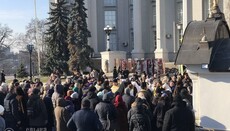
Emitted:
<point x="159" y="113"/>
<point x="2" y="97"/>
<point x="50" y="111"/>
<point x="2" y="79"/>
<point x="122" y="122"/>
<point x="115" y="73"/>
<point x="22" y="111"/>
<point x="128" y="100"/>
<point x="139" y="120"/>
<point x="179" y="118"/>
<point x="125" y="73"/>
<point x="62" y="115"/>
<point x="41" y="119"/>
<point x="84" y="120"/>
<point x="93" y="98"/>
<point x="70" y="106"/>
<point x="2" y="124"/>
<point x="11" y="113"/>
<point x="103" y="108"/>
<point x="106" y="112"/>
<point x="122" y="88"/>
<point x="58" y="93"/>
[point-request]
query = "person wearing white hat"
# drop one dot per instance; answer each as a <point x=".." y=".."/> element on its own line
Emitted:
<point x="2" y="121"/>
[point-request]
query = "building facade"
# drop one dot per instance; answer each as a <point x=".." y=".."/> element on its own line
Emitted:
<point x="144" y="28"/>
<point x="172" y="17"/>
<point x="132" y="22"/>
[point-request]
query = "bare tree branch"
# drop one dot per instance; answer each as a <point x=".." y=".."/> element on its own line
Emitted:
<point x="5" y="32"/>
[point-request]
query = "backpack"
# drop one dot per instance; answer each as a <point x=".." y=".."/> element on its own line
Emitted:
<point x="33" y="108"/>
<point x="139" y="122"/>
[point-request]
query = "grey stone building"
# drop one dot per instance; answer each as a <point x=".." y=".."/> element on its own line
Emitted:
<point x="144" y="28"/>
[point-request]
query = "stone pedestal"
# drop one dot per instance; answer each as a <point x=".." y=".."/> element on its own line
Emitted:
<point x="108" y="59"/>
<point x="210" y="97"/>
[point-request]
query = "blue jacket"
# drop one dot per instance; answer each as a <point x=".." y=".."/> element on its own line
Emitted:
<point x="84" y="120"/>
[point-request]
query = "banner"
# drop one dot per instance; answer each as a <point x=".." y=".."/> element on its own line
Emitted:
<point x="149" y="66"/>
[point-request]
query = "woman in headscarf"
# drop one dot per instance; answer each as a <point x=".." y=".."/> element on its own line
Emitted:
<point x="122" y="122"/>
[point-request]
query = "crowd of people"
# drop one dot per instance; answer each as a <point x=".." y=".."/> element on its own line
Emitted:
<point x="94" y="102"/>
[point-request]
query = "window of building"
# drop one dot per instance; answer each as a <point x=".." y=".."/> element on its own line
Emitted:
<point x="154" y="12"/>
<point x="110" y="18"/>
<point x="110" y="2"/>
<point x="155" y="39"/>
<point x="113" y="41"/>
<point x="132" y="39"/>
<point x="179" y="12"/>
<point x="178" y="24"/>
<point x="131" y="18"/>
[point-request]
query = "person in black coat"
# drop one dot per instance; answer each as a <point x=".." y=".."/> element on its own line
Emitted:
<point x="125" y="73"/>
<point x="162" y="106"/>
<point x="115" y="73"/>
<point x="138" y="117"/>
<point x="92" y="97"/>
<point x="22" y="100"/>
<point x="106" y="112"/>
<point x="127" y="98"/>
<point x="84" y="119"/>
<point x="11" y="113"/>
<point x="36" y="110"/>
<point x="50" y="110"/>
<point x="179" y="118"/>
<point x="66" y="86"/>
<point x="3" y="79"/>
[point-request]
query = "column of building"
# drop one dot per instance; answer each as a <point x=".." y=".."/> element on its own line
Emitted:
<point x="187" y="13"/>
<point x="165" y="17"/>
<point x="138" y="51"/>
<point x="226" y="10"/>
<point x="197" y="9"/>
<point x="91" y="6"/>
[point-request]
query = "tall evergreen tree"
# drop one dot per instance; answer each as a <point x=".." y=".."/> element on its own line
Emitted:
<point x="78" y="46"/>
<point x="57" y="46"/>
<point x="21" y="71"/>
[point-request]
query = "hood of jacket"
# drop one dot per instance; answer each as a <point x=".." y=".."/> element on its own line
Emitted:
<point x="34" y="97"/>
<point x="91" y="95"/>
<point x="61" y="102"/>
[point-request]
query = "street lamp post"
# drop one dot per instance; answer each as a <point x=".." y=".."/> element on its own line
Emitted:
<point x="30" y="48"/>
<point x="108" y="30"/>
<point x="36" y="38"/>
